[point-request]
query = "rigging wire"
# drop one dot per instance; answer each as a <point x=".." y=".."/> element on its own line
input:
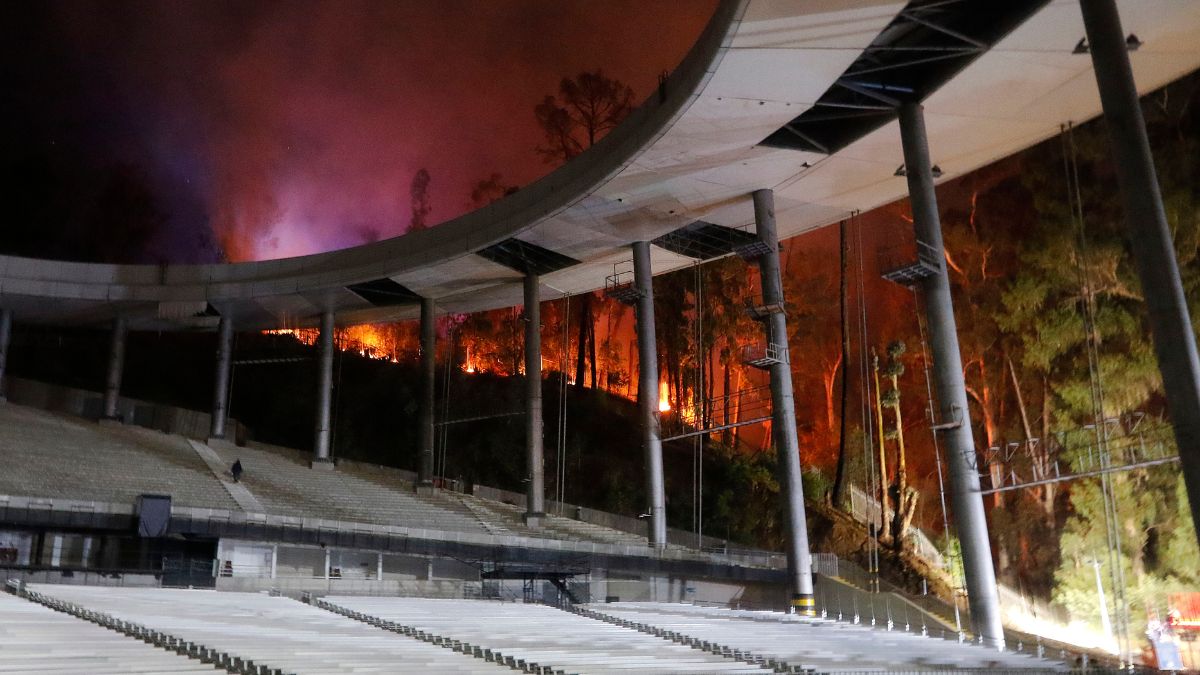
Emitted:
<point x="867" y="418"/>
<point x="937" y="453"/>
<point x="443" y="436"/>
<point x="561" y="455"/>
<point x="699" y="406"/>
<point x="1095" y="377"/>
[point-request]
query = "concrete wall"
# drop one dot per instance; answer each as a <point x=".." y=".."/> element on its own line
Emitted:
<point x="602" y="518"/>
<point x="88" y="404"/>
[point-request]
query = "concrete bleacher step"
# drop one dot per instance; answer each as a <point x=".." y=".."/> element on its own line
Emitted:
<point x="100" y="463"/>
<point x="541" y="636"/>
<point x="258" y="628"/>
<point x="488" y="655"/>
<point x="790" y="642"/>
<point x="41" y="634"/>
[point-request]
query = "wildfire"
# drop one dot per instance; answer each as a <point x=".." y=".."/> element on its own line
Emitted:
<point x="664" y="405"/>
<point x="367" y="340"/>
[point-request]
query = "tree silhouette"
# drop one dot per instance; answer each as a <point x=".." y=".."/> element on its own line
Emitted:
<point x="418" y="192"/>
<point x="585" y="108"/>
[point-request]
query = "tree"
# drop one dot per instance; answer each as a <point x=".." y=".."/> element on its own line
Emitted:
<point x="490" y="189"/>
<point x="585" y="109"/>
<point x="418" y="192"/>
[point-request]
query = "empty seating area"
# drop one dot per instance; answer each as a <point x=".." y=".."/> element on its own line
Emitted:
<point x="339" y="634"/>
<point x="545" y="636"/>
<point x="37" y="639"/>
<point x="283" y="482"/>
<point x="55" y="455"/>
<point x="277" y="632"/>
<point x="820" y="644"/>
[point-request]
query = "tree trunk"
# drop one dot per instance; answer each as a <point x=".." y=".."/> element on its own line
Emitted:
<point x="900" y="493"/>
<point x="883" y="473"/>
<point x="585" y="314"/>
<point x="1048" y="492"/>
<point x="840" y="479"/>
<point x="591" y="330"/>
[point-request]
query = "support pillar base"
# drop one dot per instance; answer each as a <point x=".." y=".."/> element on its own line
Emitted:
<point x="322" y="465"/>
<point x="804" y="605"/>
<point x="533" y="520"/>
<point x="219" y="442"/>
<point x="424" y="488"/>
<point x="111" y="422"/>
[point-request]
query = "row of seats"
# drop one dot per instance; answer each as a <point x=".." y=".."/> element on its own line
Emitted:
<point x="543" y="635"/>
<point x="37" y="639"/>
<point x="283" y="482"/>
<point x="52" y="455"/>
<point x="278" y="632"/>
<point x="391" y="634"/>
<point x="813" y="643"/>
<point x="55" y="455"/>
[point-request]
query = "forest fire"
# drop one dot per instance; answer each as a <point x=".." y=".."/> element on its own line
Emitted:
<point x="664" y="405"/>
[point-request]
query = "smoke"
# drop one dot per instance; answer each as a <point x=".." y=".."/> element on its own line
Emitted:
<point x="296" y="127"/>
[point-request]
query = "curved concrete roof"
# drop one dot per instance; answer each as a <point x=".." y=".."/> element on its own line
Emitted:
<point x="692" y="151"/>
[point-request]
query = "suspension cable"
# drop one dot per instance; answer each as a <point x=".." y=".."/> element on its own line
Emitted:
<point x="565" y="358"/>
<point x="443" y="437"/>
<point x="937" y="453"/>
<point x="867" y="420"/>
<point x="1095" y="377"/>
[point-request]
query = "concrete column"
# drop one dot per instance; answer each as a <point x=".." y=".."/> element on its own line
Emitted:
<point x="116" y="368"/>
<point x="5" y="340"/>
<point x="425" y="430"/>
<point x="324" y="393"/>
<point x="274" y="560"/>
<point x="951" y="390"/>
<point x="1149" y="237"/>
<point x="379" y="567"/>
<point x="535" y="507"/>
<point x="648" y="394"/>
<point x="326" y="564"/>
<point x="220" y="407"/>
<point x="783" y="411"/>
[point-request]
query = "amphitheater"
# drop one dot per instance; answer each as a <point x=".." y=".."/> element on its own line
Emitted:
<point x="127" y="546"/>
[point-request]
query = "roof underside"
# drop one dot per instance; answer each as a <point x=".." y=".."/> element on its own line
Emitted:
<point x="928" y="43"/>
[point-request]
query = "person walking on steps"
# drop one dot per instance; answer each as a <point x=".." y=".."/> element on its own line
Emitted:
<point x="236" y="470"/>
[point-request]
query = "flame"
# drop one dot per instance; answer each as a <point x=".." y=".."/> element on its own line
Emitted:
<point x="367" y="340"/>
<point x="664" y="405"/>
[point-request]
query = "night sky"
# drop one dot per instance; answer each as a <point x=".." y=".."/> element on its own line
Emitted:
<point x="175" y="131"/>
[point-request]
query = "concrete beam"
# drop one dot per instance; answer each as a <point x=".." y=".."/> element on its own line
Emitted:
<point x="224" y="368"/>
<point x="5" y="341"/>
<point x="954" y="416"/>
<point x="324" y="423"/>
<point x="783" y="410"/>
<point x="116" y="368"/>
<point x="535" y="506"/>
<point x="647" y="347"/>
<point x="1149" y="236"/>
<point x="425" y="427"/>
